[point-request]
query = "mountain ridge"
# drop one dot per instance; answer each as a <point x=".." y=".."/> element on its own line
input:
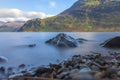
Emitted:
<point x="83" y="15"/>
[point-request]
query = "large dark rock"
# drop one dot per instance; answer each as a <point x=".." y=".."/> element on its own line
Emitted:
<point x="112" y="43"/>
<point x="63" y="40"/>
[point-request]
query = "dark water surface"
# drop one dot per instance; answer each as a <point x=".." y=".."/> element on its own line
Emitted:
<point x="13" y="46"/>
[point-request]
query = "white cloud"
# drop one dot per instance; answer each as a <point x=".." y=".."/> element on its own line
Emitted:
<point x="16" y="14"/>
<point x="52" y="3"/>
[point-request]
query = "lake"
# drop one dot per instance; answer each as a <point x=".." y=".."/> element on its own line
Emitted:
<point x="13" y="46"/>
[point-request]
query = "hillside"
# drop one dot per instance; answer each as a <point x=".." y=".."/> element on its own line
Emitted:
<point x="83" y="15"/>
<point x="10" y="26"/>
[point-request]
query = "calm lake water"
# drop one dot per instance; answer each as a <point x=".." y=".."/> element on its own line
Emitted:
<point x="13" y="46"/>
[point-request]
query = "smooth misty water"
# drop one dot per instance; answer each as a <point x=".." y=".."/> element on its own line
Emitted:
<point x="12" y="46"/>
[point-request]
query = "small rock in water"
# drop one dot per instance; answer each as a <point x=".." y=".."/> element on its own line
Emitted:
<point x="3" y="59"/>
<point x="15" y="75"/>
<point x="10" y="71"/>
<point x="81" y="40"/>
<point x="21" y="66"/>
<point x="31" y="45"/>
<point x="2" y="69"/>
<point x="27" y="73"/>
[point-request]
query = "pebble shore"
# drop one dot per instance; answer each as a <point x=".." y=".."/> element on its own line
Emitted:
<point x="95" y="66"/>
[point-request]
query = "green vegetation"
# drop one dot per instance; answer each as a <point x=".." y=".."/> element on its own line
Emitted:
<point x="93" y="2"/>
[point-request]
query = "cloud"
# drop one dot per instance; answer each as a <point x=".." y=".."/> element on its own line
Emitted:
<point x="16" y="14"/>
<point x="52" y="3"/>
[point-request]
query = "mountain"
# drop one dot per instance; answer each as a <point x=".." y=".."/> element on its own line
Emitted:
<point x="10" y="26"/>
<point x="32" y="25"/>
<point x="83" y="15"/>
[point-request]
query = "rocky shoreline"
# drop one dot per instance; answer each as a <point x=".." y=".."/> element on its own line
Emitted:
<point x="94" y="66"/>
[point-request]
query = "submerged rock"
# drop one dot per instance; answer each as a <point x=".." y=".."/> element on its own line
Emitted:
<point x="21" y="66"/>
<point x="63" y="40"/>
<point x="10" y="71"/>
<point x="3" y="59"/>
<point x="31" y="45"/>
<point x="26" y="45"/>
<point x="16" y="75"/>
<point x="112" y="43"/>
<point x="2" y="69"/>
<point x="81" y="40"/>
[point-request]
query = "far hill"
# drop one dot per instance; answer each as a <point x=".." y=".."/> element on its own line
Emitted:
<point x="83" y="15"/>
<point x="10" y="26"/>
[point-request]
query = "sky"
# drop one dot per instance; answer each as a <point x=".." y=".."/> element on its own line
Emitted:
<point x="12" y="10"/>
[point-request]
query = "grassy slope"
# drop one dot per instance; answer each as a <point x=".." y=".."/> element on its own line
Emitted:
<point x="96" y="17"/>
